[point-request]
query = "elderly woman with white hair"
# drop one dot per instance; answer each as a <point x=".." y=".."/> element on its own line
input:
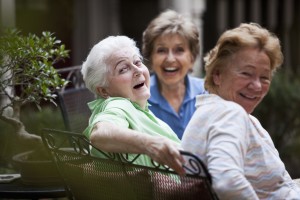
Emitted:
<point x="121" y="121"/>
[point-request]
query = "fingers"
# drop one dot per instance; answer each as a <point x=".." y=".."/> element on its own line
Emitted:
<point x="166" y="152"/>
<point x="176" y="162"/>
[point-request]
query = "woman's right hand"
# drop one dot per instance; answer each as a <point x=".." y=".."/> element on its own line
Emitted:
<point x="166" y="152"/>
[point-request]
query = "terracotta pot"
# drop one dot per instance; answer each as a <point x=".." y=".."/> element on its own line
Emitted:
<point x="36" y="171"/>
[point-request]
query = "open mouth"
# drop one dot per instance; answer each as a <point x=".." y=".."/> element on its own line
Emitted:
<point x="249" y="97"/>
<point x="138" y="86"/>
<point x="170" y="69"/>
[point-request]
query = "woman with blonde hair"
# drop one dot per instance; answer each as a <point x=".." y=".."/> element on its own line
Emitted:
<point x="238" y="151"/>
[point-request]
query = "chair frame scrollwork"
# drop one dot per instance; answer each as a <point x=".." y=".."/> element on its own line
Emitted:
<point x="57" y="140"/>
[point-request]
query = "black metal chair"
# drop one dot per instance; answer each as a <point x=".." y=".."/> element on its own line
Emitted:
<point x="73" y="99"/>
<point x="75" y="111"/>
<point x="115" y="177"/>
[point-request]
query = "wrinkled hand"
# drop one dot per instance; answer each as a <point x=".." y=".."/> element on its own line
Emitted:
<point x="166" y="152"/>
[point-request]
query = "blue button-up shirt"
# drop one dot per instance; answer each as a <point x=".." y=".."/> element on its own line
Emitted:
<point x="163" y="110"/>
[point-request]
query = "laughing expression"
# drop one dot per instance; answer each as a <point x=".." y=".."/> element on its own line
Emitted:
<point x="171" y="59"/>
<point x="128" y="77"/>
<point x="246" y="78"/>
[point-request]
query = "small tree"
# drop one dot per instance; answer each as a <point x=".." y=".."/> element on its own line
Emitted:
<point x="27" y="75"/>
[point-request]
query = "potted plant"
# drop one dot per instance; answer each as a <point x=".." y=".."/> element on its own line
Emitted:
<point x="28" y="76"/>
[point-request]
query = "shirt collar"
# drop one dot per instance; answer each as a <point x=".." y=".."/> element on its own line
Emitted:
<point x="101" y="100"/>
<point x="156" y="96"/>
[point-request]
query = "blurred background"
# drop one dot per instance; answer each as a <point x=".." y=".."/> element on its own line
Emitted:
<point x="80" y="24"/>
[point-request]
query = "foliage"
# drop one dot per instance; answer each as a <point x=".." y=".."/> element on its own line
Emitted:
<point x="27" y="64"/>
<point x="28" y="76"/>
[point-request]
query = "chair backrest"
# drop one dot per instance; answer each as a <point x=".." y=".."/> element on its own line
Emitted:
<point x="115" y="177"/>
<point x="73" y="99"/>
<point x="75" y="111"/>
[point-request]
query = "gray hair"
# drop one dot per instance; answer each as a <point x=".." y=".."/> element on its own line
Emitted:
<point x="94" y="70"/>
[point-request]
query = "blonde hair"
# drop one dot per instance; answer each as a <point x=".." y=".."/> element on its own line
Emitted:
<point x="232" y="41"/>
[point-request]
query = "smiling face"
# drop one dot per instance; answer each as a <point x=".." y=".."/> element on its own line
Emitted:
<point x="171" y="59"/>
<point x="246" y="79"/>
<point x="128" y="77"/>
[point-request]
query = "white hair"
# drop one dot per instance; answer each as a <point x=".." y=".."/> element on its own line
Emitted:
<point x="94" y="70"/>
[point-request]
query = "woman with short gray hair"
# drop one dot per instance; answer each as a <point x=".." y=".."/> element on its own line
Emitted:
<point x="121" y="121"/>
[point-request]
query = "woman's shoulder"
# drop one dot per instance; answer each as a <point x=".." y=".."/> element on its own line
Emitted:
<point x="195" y="85"/>
<point x="216" y="104"/>
<point x="195" y="81"/>
<point x="111" y="102"/>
